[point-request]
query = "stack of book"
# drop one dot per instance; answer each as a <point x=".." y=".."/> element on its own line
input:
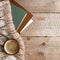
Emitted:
<point x="21" y="17"/>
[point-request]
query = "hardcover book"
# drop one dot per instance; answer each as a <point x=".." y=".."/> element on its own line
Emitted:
<point x="20" y="16"/>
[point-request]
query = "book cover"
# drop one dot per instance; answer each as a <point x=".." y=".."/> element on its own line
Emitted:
<point x="20" y="15"/>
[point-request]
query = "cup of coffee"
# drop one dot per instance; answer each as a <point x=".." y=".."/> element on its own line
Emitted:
<point x="11" y="47"/>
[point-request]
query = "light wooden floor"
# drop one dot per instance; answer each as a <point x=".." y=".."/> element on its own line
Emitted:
<point x="42" y="37"/>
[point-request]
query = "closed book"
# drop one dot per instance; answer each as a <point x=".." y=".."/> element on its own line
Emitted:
<point x="20" y="15"/>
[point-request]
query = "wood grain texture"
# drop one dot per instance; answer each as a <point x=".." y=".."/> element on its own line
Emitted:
<point x="41" y="5"/>
<point x="42" y="48"/>
<point x="45" y="24"/>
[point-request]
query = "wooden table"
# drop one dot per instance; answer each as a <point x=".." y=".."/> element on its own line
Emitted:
<point x="42" y="37"/>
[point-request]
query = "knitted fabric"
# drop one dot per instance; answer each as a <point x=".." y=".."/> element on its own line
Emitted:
<point x="7" y="28"/>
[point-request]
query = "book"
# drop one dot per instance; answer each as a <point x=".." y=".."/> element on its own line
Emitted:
<point x="20" y="16"/>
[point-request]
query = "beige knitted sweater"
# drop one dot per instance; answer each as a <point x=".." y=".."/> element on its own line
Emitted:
<point x="7" y="28"/>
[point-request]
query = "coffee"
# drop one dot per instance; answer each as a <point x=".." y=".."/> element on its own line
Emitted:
<point x="11" y="47"/>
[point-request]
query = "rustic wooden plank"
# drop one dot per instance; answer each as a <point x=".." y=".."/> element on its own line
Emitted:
<point x="41" y="5"/>
<point x="45" y="24"/>
<point x="42" y="48"/>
